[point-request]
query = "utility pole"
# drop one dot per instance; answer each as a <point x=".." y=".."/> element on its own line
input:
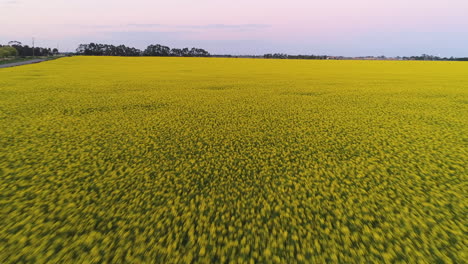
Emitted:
<point x="33" y="46"/>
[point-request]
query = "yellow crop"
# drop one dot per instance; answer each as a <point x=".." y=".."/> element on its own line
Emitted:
<point x="181" y="160"/>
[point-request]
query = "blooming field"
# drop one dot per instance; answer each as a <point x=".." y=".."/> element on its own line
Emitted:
<point x="179" y="160"/>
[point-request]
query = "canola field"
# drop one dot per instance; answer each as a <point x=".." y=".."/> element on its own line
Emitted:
<point x="191" y="160"/>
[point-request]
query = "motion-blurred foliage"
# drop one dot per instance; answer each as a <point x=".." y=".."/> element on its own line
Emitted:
<point x="179" y="160"/>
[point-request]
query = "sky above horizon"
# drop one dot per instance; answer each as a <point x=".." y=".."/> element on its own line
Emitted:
<point x="330" y="27"/>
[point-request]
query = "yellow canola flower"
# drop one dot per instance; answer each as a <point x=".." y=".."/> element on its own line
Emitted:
<point x="208" y="160"/>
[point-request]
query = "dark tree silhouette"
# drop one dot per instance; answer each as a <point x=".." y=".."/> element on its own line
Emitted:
<point x="94" y="49"/>
<point x="157" y="50"/>
<point x="25" y="50"/>
<point x="176" y="52"/>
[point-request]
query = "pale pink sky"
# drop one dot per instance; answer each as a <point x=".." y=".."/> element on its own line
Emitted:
<point x="334" y="27"/>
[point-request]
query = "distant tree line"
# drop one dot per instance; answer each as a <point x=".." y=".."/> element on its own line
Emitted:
<point x="95" y="49"/>
<point x="164" y="51"/>
<point x="25" y="50"/>
<point x="426" y="57"/>
<point x="324" y="57"/>
<point x="302" y="57"/>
